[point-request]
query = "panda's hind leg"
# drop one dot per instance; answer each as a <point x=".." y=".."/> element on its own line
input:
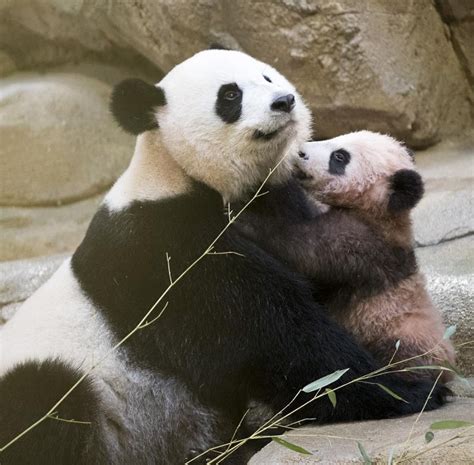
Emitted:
<point x="28" y="392"/>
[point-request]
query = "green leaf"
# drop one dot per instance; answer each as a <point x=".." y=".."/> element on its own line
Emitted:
<point x="324" y="381"/>
<point x="389" y="391"/>
<point x="450" y="330"/>
<point x="429" y="436"/>
<point x="456" y="371"/>
<point x="291" y="446"/>
<point x="428" y="367"/>
<point x="364" y="454"/>
<point x="332" y="396"/>
<point x="450" y="424"/>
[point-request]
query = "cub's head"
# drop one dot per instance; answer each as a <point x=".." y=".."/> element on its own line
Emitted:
<point x="361" y="170"/>
<point x="223" y="116"/>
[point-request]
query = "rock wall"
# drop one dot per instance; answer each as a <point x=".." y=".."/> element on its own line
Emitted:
<point x="398" y="66"/>
<point x="403" y="67"/>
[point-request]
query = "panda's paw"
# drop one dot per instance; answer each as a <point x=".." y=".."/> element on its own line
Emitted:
<point x="425" y="397"/>
<point x="438" y="397"/>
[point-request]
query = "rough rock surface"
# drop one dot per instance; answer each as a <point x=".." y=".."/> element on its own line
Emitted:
<point x="379" y="64"/>
<point x="20" y="278"/>
<point x="35" y="231"/>
<point x="337" y="444"/>
<point x="449" y="268"/>
<point x="459" y="15"/>
<point x="59" y="141"/>
<point x="446" y="211"/>
<point x="444" y="231"/>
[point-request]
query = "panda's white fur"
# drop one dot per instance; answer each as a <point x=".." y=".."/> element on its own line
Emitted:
<point x="225" y="157"/>
<point x="59" y="322"/>
<point x="375" y="157"/>
<point x="191" y="143"/>
<point x="152" y="175"/>
<point x="144" y="398"/>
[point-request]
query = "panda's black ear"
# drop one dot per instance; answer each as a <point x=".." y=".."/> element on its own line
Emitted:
<point x="133" y="102"/>
<point x="406" y="190"/>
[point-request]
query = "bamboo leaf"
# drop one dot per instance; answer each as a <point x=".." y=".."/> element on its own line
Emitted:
<point x="324" y="381"/>
<point x="332" y="396"/>
<point x="389" y="391"/>
<point x="456" y="370"/>
<point x="429" y="436"/>
<point x="363" y="452"/>
<point x="429" y="367"/>
<point x="390" y="456"/>
<point x="450" y="330"/>
<point x="450" y="424"/>
<point x="291" y="446"/>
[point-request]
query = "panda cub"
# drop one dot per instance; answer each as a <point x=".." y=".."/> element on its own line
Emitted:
<point x="359" y="253"/>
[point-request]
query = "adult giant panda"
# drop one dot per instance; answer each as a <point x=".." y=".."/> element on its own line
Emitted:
<point x="239" y="326"/>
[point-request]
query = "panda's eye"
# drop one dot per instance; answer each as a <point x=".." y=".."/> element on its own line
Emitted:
<point x="231" y="95"/>
<point x="267" y="78"/>
<point x="338" y="161"/>
<point x="340" y="156"/>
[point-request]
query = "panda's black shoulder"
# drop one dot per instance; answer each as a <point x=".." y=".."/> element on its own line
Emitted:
<point x="287" y="201"/>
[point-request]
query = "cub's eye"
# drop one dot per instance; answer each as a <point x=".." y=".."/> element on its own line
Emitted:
<point x="340" y="156"/>
<point x="231" y="95"/>
<point x="267" y="78"/>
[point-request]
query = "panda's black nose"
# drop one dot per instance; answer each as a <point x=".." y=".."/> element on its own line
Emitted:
<point x="284" y="103"/>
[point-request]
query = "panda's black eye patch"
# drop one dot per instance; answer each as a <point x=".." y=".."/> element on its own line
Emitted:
<point x="231" y="95"/>
<point x="338" y="161"/>
<point x="267" y="78"/>
<point x="229" y="102"/>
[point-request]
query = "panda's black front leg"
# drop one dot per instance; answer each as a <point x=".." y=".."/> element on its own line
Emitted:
<point x="307" y="346"/>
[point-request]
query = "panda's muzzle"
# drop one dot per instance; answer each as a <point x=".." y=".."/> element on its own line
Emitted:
<point x="284" y="103"/>
<point x="261" y="135"/>
<point x="265" y="136"/>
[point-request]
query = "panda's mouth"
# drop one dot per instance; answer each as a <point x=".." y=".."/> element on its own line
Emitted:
<point x="265" y="135"/>
<point x="261" y="135"/>
<point x="300" y="174"/>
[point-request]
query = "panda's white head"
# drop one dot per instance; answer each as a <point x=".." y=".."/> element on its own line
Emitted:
<point x="224" y="117"/>
<point x="361" y="170"/>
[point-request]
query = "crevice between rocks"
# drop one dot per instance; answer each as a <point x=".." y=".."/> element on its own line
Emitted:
<point x="444" y="240"/>
<point x="448" y="22"/>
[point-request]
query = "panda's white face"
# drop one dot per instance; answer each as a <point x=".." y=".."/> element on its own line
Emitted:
<point x="229" y="118"/>
<point x="352" y="170"/>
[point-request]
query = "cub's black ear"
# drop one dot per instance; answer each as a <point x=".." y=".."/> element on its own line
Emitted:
<point x="407" y="190"/>
<point x="132" y="104"/>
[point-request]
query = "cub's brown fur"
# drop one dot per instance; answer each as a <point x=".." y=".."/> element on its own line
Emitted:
<point x="359" y="252"/>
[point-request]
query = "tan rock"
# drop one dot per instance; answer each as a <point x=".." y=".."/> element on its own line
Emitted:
<point x="337" y="444"/>
<point x="59" y="141"/>
<point x="7" y="65"/>
<point x="449" y="268"/>
<point x="463" y="39"/>
<point x="376" y="64"/>
<point x="32" y="232"/>
<point x="445" y="212"/>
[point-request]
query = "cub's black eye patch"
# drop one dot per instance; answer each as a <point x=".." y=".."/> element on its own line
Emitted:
<point x="267" y="78"/>
<point x="229" y="102"/>
<point x="338" y="161"/>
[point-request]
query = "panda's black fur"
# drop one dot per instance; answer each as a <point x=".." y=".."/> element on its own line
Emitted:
<point x="236" y="328"/>
<point x="240" y="326"/>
